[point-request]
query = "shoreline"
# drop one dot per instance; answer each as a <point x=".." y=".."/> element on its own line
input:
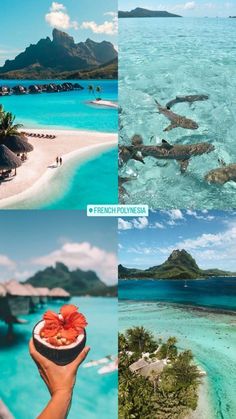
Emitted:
<point x="187" y="307"/>
<point x="40" y="167"/>
<point x="204" y="405"/>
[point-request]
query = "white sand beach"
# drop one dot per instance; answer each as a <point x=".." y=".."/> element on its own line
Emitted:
<point x="41" y="163"/>
<point x="204" y="409"/>
<point x="106" y="103"/>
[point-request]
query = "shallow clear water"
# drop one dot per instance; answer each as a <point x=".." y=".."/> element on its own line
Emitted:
<point x="21" y="387"/>
<point x="211" y="335"/>
<point x="78" y="185"/>
<point x="162" y="58"/>
<point x="63" y="110"/>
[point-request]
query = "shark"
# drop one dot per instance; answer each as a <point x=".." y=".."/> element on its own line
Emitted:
<point x="188" y="98"/>
<point x="181" y="153"/>
<point x="222" y="175"/>
<point x="177" y="121"/>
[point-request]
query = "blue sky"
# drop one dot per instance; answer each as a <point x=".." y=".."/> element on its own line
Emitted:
<point x="27" y="21"/>
<point x="33" y="240"/>
<point x="210" y="237"/>
<point x="199" y="8"/>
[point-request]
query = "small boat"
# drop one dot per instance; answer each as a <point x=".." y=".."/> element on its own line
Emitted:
<point x="108" y="369"/>
<point x="185" y="284"/>
<point x="101" y="361"/>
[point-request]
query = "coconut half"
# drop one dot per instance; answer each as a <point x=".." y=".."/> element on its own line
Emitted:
<point x="60" y="355"/>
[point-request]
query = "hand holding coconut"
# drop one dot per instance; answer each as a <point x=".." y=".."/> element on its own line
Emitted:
<point x="58" y="349"/>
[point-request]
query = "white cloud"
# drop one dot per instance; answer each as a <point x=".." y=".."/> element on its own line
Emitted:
<point x="6" y="261"/>
<point x="83" y="256"/>
<point x="190" y="5"/>
<point x="138" y="223"/>
<point x="107" y="27"/>
<point x="159" y="225"/>
<point x="59" y="18"/>
<point x="124" y="225"/>
<point x="200" y="217"/>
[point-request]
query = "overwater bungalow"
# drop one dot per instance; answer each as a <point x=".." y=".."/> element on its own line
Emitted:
<point x="34" y="89"/>
<point x="34" y="297"/>
<point x="78" y="86"/>
<point x="4" y="91"/>
<point x="16" y="302"/>
<point x="20" y="90"/>
<point x="59" y="294"/>
<point x="8" y="162"/>
<point x="43" y="294"/>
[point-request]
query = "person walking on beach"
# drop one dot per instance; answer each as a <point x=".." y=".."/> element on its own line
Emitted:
<point x="57" y="160"/>
<point x="60" y="161"/>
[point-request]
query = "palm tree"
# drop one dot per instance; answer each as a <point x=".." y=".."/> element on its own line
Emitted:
<point x="140" y="340"/>
<point x="98" y="90"/>
<point x="91" y="89"/>
<point x="7" y="126"/>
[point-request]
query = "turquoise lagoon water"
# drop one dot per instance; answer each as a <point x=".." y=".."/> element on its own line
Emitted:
<point x="77" y="185"/>
<point x="63" y="110"/>
<point x="21" y="387"/>
<point x="209" y="333"/>
<point x="162" y="58"/>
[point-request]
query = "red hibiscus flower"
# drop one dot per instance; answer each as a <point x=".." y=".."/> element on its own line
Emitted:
<point x="64" y="328"/>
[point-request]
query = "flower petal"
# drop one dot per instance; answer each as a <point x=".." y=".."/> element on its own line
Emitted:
<point x="68" y="309"/>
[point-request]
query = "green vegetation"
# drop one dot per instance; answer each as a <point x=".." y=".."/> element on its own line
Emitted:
<point x="107" y="71"/>
<point x="179" y="265"/>
<point x="171" y="393"/>
<point x="76" y="282"/>
<point x="139" y="12"/>
<point x="62" y="58"/>
<point x="7" y="124"/>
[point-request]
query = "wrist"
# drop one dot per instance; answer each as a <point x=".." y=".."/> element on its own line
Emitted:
<point x="62" y="394"/>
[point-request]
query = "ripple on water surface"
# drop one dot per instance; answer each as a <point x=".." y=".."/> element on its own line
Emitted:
<point x="163" y="58"/>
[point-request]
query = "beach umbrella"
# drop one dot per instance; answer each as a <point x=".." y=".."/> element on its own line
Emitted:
<point x="17" y="144"/>
<point x="8" y="160"/>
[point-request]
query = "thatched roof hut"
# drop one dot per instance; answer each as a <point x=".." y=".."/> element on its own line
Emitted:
<point x="16" y="289"/>
<point x="17" y="144"/>
<point x="34" y="296"/>
<point x="138" y="365"/>
<point x="153" y="369"/>
<point x="59" y="294"/>
<point x="32" y="290"/>
<point x="17" y="300"/>
<point x="8" y="160"/>
<point x="42" y="291"/>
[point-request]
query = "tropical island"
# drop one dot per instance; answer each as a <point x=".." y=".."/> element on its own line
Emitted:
<point x="77" y="282"/>
<point x="61" y="58"/>
<point x="179" y="265"/>
<point x="155" y="379"/>
<point x="139" y="12"/>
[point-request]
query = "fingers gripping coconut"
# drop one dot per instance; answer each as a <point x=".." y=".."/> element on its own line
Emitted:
<point x="61" y="337"/>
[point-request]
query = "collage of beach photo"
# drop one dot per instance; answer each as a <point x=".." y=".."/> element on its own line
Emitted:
<point x="118" y="209"/>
